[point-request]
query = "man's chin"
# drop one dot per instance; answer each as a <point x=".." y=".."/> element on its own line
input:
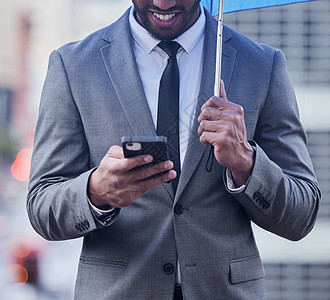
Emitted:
<point x="162" y="37"/>
<point x="166" y="35"/>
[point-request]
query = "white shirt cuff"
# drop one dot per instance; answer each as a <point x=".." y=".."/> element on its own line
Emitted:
<point x="231" y="184"/>
<point x="100" y="213"/>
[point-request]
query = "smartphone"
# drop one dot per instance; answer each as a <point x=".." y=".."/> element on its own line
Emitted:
<point x="153" y="145"/>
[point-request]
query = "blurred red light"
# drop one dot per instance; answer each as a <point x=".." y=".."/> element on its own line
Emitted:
<point x="25" y="153"/>
<point x="17" y="273"/>
<point x="25" y="261"/>
<point x="20" y="169"/>
<point x="20" y="247"/>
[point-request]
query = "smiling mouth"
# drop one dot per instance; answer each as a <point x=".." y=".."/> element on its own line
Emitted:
<point x="164" y="17"/>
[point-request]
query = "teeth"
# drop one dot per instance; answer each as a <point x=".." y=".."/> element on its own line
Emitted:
<point x="164" y="17"/>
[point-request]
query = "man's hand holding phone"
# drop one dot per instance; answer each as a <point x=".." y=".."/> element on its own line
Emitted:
<point x="119" y="181"/>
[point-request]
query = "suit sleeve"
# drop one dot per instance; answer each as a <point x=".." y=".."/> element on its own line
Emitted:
<point x="57" y="201"/>
<point x="282" y="194"/>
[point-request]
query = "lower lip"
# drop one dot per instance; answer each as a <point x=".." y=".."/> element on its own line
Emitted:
<point x="164" y="24"/>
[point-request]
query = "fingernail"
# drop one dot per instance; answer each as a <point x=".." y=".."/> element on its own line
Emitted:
<point x="167" y="165"/>
<point x="148" y="159"/>
<point x="171" y="175"/>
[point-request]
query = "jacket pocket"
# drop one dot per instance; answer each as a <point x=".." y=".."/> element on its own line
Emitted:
<point x="246" y="269"/>
<point x="97" y="278"/>
<point x="101" y="262"/>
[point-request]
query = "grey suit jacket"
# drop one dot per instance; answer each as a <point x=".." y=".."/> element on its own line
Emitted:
<point x="92" y="97"/>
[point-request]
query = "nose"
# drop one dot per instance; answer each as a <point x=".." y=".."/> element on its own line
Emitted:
<point x="164" y="4"/>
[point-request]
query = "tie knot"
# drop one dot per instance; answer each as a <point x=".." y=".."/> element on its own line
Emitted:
<point x="170" y="47"/>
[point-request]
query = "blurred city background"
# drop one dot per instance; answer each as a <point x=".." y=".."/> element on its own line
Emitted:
<point x="31" y="268"/>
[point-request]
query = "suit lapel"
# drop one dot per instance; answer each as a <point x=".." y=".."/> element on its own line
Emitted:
<point x="121" y="66"/>
<point x="195" y="149"/>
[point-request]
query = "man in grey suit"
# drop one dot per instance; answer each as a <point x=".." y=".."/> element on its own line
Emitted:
<point x="243" y="158"/>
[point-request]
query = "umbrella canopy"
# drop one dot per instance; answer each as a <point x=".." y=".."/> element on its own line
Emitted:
<point x="235" y="5"/>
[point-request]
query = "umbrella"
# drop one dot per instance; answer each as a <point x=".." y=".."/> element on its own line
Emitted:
<point x="219" y="7"/>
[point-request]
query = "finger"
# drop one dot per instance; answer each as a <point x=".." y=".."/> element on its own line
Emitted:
<point x="210" y="113"/>
<point x="151" y="170"/>
<point x="213" y="101"/>
<point x="225" y="134"/>
<point x="211" y="126"/>
<point x="217" y="103"/>
<point x="126" y="164"/>
<point x="118" y="152"/>
<point x="134" y="189"/>
<point x="153" y="181"/>
<point x="222" y="92"/>
<point x="213" y="138"/>
<point x="215" y="115"/>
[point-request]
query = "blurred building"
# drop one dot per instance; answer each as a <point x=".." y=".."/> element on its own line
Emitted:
<point x="14" y="85"/>
<point x="7" y="61"/>
<point x="29" y="31"/>
<point x="300" y="270"/>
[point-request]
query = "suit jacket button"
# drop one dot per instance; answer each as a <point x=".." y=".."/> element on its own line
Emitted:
<point x="178" y="209"/>
<point x="168" y="269"/>
<point x="86" y="224"/>
<point x="256" y="195"/>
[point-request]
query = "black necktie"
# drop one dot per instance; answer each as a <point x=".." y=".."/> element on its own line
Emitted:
<point x="168" y="105"/>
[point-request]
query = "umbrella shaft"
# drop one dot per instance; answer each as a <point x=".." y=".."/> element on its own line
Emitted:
<point x="219" y="51"/>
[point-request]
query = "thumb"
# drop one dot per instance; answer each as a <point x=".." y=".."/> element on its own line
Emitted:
<point x="115" y="151"/>
<point x="222" y="90"/>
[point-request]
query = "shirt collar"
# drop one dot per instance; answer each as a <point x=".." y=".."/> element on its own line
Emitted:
<point x="187" y="40"/>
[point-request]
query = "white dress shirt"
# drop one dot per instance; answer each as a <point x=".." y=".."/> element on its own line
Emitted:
<point x="151" y="62"/>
